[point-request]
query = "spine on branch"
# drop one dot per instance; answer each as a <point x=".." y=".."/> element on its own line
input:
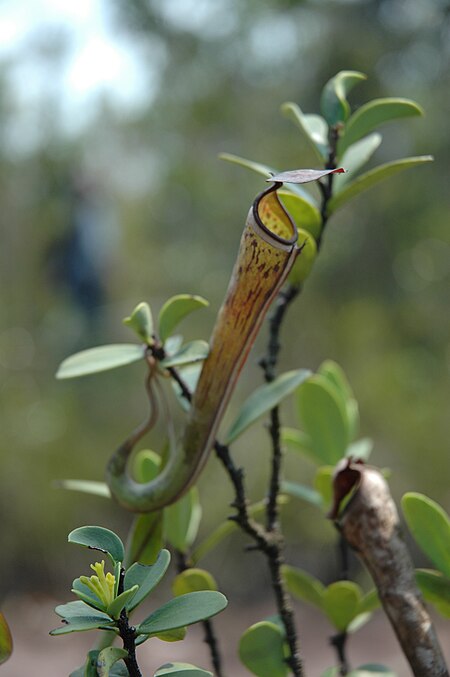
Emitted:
<point x="267" y="252"/>
<point x="370" y="524"/>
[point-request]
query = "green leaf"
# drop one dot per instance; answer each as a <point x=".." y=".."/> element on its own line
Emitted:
<point x="195" y="351"/>
<point x="372" y="177"/>
<point x="341" y="602"/>
<point x="358" y="622"/>
<point x="314" y="129"/>
<point x="361" y="449"/>
<point x="337" y="378"/>
<point x="141" y="322"/>
<point x="99" y="538"/>
<point x="86" y="595"/>
<point x="304" y="586"/>
<point x="100" y="358"/>
<point x="300" y="442"/>
<point x="176" y="635"/>
<point x="175" y="309"/>
<point x="182" y="520"/>
<point x="263" y="399"/>
<point x="6" y="644"/>
<point x="86" y="487"/>
<point x="302" y="492"/>
<point x="193" y="580"/>
<point x="369" y="602"/>
<point x="373" y="114"/>
<point x="145" y="539"/>
<point x="333" y="103"/>
<point x="225" y="529"/>
<point x="106" y="659"/>
<point x="190" y="375"/>
<point x="183" y="610"/>
<point x="370" y="670"/>
<point x="266" y="171"/>
<point x="262" y="650"/>
<point x="120" y="601"/>
<point x="305" y="215"/>
<point x="324" y="419"/>
<point x="78" y="617"/>
<point x="305" y="261"/>
<point x="356" y="157"/>
<point x="146" y="577"/>
<point x="258" y="167"/>
<point x="181" y="670"/>
<point x="323" y="483"/>
<point x="89" y="669"/>
<point x="430" y="526"/>
<point x="435" y="588"/>
<point x="146" y="465"/>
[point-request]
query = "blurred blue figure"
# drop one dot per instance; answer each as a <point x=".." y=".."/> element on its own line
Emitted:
<point x="79" y="261"/>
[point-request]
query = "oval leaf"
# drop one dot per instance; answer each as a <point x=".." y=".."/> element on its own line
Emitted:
<point x="323" y="483"/>
<point x="175" y="309"/>
<point x="79" y="617"/>
<point x="372" y="177"/>
<point x="262" y="650"/>
<point x="369" y="602"/>
<point x="171" y="635"/>
<point x="86" y="595"/>
<point x="100" y="358"/>
<point x="436" y="589"/>
<point x="263" y="399"/>
<point x="305" y="261"/>
<point x="370" y="670"/>
<point x="146" y="577"/>
<point x="119" y="602"/>
<point x="305" y="215"/>
<point x="146" y="465"/>
<point x="225" y="529"/>
<point x="266" y="171"/>
<point x="333" y="102"/>
<point x="300" y="442"/>
<point x="304" y="586"/>
<point x="182" y="520"/>
<point x="314" y="129"/>
<point x="375" y="113"/>
<point x="336" y="376"/>
<point x="86" y="487"/>
<point x="195" y="351"/>
<point x="106" y="659"/>
<point x="430" y="526"/>
<point x="302" y="492"/>
<point x="181" y="670"/>
<point x="6" y="644"/>
<point x="183" y="610"/>
<point x="356" y="157"/>
<point x="341" y="603"/>
<point x="145" y="539"/>
<point x="141" y="322"/>
<point x="193" y="580"/>
<point x="99" y="538"/>
<point x="324" y="419"/>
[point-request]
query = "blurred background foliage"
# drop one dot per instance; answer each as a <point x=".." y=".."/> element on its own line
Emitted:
<point x="112" y="193"/>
